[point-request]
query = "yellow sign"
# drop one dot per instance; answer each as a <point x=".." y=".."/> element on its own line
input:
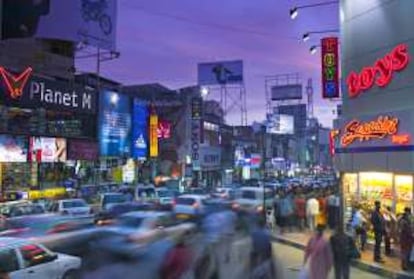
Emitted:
<point x="153" y="135"/>
<point x="47" y="193"/>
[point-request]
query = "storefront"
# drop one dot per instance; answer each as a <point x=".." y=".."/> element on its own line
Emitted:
<point x="373" y="139"/>
<point x="39" y="117"/>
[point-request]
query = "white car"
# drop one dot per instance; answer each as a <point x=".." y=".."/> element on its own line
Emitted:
<point x="189" y="206"/>
<point x="26" y="260"/>
<point x="73" y="207"/>
<point x="254" y="199"/>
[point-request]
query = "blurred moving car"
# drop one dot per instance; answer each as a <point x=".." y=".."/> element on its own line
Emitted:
<point x="225" y="193"/>
<point x="165" y="198"/>
<point x="189" y="207"/>
<point x="74" y="207"/>
<point x="107" y="217"/>
<point x="145" y="193"/>
<point x="254" y="199"/>
<point x="24" y="209"/>
<point x="23" y="260"/>
<point x="143" y="228"/>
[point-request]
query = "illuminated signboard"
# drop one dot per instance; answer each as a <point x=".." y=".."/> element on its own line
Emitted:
<point x="164" y="129"/>
<point x="380" y="73"/>
<point x="330" y="73"/>
<point x="15" y="83"/>
<point x="332" y="136"/>
<point x="153" y="135"/>
<point x="380" y="128"/>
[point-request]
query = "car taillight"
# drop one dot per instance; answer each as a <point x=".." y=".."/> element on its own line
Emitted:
<point x="235" y="206"/>
<point x="195" y="205"/>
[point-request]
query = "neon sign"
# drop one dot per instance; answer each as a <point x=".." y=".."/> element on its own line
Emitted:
<point x="330" y="73"/>
<point x="15" y="84"/>
<point x="332" y="136"/>
<point x="401" y="139"/>
<point x="380" y="128"/>
<point x="380" y="73"/>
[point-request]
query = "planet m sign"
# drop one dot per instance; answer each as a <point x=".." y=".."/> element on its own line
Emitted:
<point x="34" y="92"/>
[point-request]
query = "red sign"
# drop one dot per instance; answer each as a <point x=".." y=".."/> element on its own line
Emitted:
<point x="380" y="73"/>
<point x="332" y="136"/>
<point x="164" y="129"/>
<point x="330" y="67"/>
<point x="15" y="84"/>
<point x="379" y="128"/>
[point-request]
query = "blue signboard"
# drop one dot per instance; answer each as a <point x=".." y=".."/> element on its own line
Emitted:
<point x="114" y="124"/>
<point x="140" y="130"/>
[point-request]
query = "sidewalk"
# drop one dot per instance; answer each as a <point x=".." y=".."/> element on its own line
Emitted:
<point x="390" y="269"/>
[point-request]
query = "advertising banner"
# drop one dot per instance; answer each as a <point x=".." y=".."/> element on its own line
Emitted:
<point x="210" y="157"/>
<point x="83" y="150"/>
<point x="140" y="131"/>
<point x="47" y="150"/>
<point x="222" y="72"/>
<point x="286" y="92"/>
<point x="25" y="90"/>
<point x="196" y="131"/>
<point x="330" y="67"/>
<point x="153" y="135"/>
<point x="114" y="124"/>
<point x="89" y="21"/>
<point x="280" y="124"/>
<point x="13" y="148"/>
<point x="164" y="129"/>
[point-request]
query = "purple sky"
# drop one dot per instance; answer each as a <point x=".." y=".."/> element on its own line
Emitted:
<point x="163" y="40"/>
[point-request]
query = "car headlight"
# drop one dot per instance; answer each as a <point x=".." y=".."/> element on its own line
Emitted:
<point x="259" y="208"/>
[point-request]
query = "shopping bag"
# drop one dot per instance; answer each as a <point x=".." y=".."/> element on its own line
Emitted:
<point x="412" y="255"/>
<point x="304" y="273"/>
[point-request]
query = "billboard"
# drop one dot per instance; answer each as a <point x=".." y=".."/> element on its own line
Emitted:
<point x="48" y="150"/>
<point x="25" y="90"/>
<point x="140" y="130"/>
<point x="114" y="124"/>
<point x="13" y="148"/>
<point x="89" y="21"/>
<point x="286" y="92"/>
<point x="280" y="124"/>
<point x="330" y="67"/>
<point x="299" y="113"/>
<point x="83" y="150"/>
<point x="164" y="129"/>
<point x="222" y="72"/>
<point x="153" y="135"/>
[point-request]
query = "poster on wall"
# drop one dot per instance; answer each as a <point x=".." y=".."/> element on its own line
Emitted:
<point x="13" y="148"/>
<point x="140" y="131"/>
<point x="90" y="21"/>
<point x="114" y="124"/>
<point x="164" y="129"/>
<point x="153" y="135"/>
<point x="47" y="150"/>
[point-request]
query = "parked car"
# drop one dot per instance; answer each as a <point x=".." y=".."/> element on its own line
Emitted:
<point x="73" y="207"/>
<point x="189" y="207"/>
<point x="26" y="260"/>
<point x="254" y="199"/>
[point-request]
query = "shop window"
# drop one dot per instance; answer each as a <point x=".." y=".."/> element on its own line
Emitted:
<point x="375" y="186"/>
<point x="404" y="192"/>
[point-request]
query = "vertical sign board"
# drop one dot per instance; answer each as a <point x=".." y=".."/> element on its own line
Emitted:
<point x="330" y="67"/>
<point x="196" y="113"/>
<point x="153" y="135"/>
<point x="140" y="130"/>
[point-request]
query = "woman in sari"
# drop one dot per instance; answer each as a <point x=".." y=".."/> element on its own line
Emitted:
<point x="319" y="254"/>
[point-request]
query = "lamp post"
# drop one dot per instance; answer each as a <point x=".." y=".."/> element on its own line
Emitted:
<point x="294" y="12"/>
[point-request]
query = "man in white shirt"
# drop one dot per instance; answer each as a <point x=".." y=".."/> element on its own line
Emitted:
<point x="312" y="211"/>
<point x="358" y="224"/>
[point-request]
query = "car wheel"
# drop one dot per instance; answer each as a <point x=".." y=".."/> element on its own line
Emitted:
<point x="71" y="274"/>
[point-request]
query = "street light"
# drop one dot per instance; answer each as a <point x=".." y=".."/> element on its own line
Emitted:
<point x="294" y="12"/>
<point x="313" y="49"/>
<point x="306" y="36"/>
<point x="204" y="92"/>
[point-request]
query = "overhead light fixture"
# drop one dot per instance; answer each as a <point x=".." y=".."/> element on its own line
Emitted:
<point x="306" y="37"/>
<point x="293" y="12"/>
<point x="313" y="49"/>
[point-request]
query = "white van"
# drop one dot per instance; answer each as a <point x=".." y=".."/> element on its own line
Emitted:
<point x="254" y="199"/>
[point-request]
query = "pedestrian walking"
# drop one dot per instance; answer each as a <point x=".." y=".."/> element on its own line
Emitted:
<point x="319" y="254"/>
<point x="322" y="216"/>
<point x="378" y="224"/>
<point x="343" y="250"/>
<point x="333" y="203"/>
<point x="390" y="221"/>
<point x="312" y="211"/>
<point x="300" y="211"/>
<point x="177" y="261"/>
<point x="286" y="212"/>
<point x="358" y="224"/>
<point x="406" y="237"/>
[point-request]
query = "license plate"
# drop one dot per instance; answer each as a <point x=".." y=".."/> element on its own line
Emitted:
<point x="183" y="216"/>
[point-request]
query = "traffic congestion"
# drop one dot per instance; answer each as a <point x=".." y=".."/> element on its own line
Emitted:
<point x="129" y="226"/>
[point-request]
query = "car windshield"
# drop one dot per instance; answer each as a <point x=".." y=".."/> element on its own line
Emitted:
<point x="75" y="203"/>
<point x="114" y="199"/>
<point x="25" y="210"/>
<point x="146" y="193"/>
<point x="164" y="193"/>
<point x="249" y="194"/>
<point x="185" y="201"/>
<point x="130" y="221"/>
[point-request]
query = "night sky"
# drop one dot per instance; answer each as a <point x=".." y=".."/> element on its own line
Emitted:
<point x="163" y="40"/>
